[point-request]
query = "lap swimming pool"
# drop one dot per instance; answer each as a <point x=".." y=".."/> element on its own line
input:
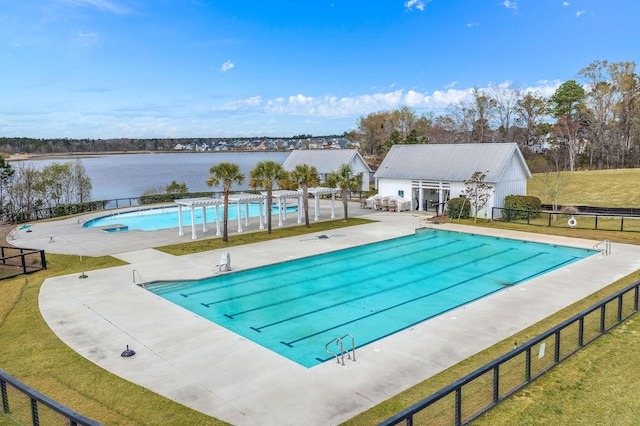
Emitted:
<point x="295" y="308"/>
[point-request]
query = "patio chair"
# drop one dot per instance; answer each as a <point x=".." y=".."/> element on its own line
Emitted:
<point x="385" y="203"/>
<point x="225" y="262"/>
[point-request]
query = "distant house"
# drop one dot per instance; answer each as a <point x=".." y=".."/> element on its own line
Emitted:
<point x="431" y="174"/>
<point x="330" y="160"/>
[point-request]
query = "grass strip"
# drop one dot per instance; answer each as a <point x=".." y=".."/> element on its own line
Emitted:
<point x="258" y="237"/>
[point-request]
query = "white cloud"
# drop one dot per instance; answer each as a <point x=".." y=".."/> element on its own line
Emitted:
<point x="580" y="13"/>
<point x="330" y="106"/>
<point x="242" y="104"/>
<point x="226" y="66"/>
<point x="565" y="3"/>
<point x="87" y="39"/>
<point x="510" y="4"/>
<point x="104" y="5"/>
<point x="416" y="4"/>
<point x="473" y="24"/>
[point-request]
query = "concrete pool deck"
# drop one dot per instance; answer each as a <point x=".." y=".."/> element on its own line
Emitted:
<point x="208" y="368"/>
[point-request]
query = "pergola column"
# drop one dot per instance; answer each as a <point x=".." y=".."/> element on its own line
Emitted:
<point x="180" y="228"/>
<point x="300" y="212"/>
<point x="218" y="233"/>
<point x="204" y="218"/>
<point x="193" y="223"/>
<point x="261" y="205"/>
<point x="280" y="212"/>
<point x="333" y="205"/>
<point x="239" y="218"/>
<point x="316" y="205"/>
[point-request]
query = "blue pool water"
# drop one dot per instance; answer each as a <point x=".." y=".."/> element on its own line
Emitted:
<point x="167" y="217"/>
<point x="295" y="308"/>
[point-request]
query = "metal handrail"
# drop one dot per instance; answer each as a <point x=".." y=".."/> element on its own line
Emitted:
<point x="607" y="247"/>
<point x="339" y="344"/>
<point x="139" y="277"/>
<point x="353" y="345"/>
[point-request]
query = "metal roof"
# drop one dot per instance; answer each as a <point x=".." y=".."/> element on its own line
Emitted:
<point x="449" y="162"/>
<point x="325" y="160"/>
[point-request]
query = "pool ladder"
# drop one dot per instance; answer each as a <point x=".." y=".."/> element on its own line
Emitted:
<point x="135" y="271"/>
<point x="607" y="247"/>
<point x="339" y="344"/>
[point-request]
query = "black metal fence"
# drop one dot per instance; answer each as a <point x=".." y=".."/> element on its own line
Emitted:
<point x="24" y="405"/>
<point x="468" y="398"/>
<point x="15" y="261"/>
<point x="586" y="220"/>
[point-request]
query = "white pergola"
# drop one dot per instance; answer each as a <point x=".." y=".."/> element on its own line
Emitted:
<point x="239" y="200"/>
<point x="192" y="204"/>
<point x="319" y="191"/>
<point x="281" y="198"/>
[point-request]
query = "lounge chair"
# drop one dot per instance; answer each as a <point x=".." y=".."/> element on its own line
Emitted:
<point x="225" y="262"/>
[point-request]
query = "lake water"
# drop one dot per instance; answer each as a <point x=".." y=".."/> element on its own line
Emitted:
<point x="130" y="175"/>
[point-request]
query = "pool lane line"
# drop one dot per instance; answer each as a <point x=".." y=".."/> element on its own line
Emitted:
<point x="325" y="290"/>
<point x="568" y="261"/>
<point x="317" y="263"/>
<point x="305" y="279"/>
<point x="290" y="343"/>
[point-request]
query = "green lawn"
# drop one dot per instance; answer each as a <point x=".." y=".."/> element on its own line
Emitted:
<point x="601" y="188"/>
<point x="596" y="386"/>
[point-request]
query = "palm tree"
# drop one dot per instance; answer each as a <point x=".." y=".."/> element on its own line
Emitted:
<point x="264" y="175"/>
<point x="227" y="173"/>
<point x="344" y="179"/>
<point x="305" y="176"/>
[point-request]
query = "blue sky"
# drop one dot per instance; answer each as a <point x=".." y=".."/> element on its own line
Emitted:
<point x="229" y="68"/>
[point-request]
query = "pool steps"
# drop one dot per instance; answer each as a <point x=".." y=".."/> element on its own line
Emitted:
<point x="340" y="357"/>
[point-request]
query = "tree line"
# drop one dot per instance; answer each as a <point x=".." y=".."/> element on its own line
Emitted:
<point x="589" y="123"/>
<point x="26" y="189"/>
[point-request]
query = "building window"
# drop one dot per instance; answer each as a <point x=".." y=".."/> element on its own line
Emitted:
<point x="400" y="193"/>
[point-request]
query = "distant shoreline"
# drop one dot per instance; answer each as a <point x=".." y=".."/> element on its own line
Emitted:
<point x="26" y="157"/>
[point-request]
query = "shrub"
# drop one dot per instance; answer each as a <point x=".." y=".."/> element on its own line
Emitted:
<point x="458" y="208"/>
<point x="169" y="198"/>
<point x="569" y="210"/>
<point x="518" y="207"/>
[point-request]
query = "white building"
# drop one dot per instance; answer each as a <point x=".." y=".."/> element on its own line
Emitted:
<point x="431" y="174"/>
<point x="330" y="160"/>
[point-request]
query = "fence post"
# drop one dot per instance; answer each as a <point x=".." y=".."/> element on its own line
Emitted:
<point x="458" y="408"/>
<point x="622" y="223"/>
<point x="620" y="309"/>
<point x="5" y="397"/>
<point x="581" y="331"/>
<point x="496" y="384"/>
<point x="24" y="263"/>
<point x="550" y="220"/>
<point x="34" y="412"/>
<point x="596" y="222"/>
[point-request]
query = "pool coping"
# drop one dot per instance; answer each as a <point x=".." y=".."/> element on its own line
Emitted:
<point x="233" y="379"/>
